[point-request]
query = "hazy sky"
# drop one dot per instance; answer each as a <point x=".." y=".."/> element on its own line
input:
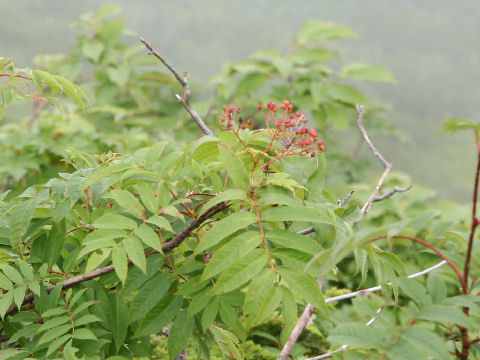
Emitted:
<point x="432" y="46"/>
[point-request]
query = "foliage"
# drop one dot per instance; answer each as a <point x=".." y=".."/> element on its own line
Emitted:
<point x="146" y="232"/>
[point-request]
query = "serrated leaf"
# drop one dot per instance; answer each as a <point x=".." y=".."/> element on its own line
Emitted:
<point x="148" y="197"/>
<point x="444" y="314"/>
<point x="297" y="213"/>
<point x="127" y="201"/>
<point x="426" y="341"/>
<point x="5" y="302"/>
<point x="359" y="335"/>
<point x="93" y="50"/>
<point x="231" y="252"/>
<point x="118" y="316"/>
<point x="160" y="315"/>
<point x="240" y="272"/>
<point x="230" y="194"/>
<point x="84" y="334"/>
<point x="18" y="295"/>
<point x="161" y="222"/>
<point x="199" y="301"/>
<point x="149" y="237"/>
<point x="305" y="286"/>
<point x="227" y="226"/>
<point x="458" y="124"/>
<point x="251" y="83"/>
<point x="318" y="30"/>
<point x="12" y="274"/>
<point x="235" y="168"/>
<point x="366" y="72"/>
<point x="120" y="262"/>
<point x="210" y="313"/>
<point x="54" y="333"/>
<point x="180" y="333"/>
<point x="293" y="240"/>
<point x="134" y="249"/>
<point x="114" y="221"/>
<point x="57" y="343"/>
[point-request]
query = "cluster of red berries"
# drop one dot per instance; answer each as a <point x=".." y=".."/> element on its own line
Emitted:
<point x="228" y="117"/>
<point x="292" y="130"/>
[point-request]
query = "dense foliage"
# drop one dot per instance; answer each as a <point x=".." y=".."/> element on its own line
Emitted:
<point x="125" y="234"/>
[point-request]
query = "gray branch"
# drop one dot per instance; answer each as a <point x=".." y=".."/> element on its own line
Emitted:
<point x="396" y="189"/>
<point x="185" y="100"/>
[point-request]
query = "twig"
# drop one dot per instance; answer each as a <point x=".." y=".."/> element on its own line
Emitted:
<point x="385" y="163"/>
<point x="168" y="246"/>
<point x="342" y="203"/>
<point x="396" y="189"/>
<point x="185" y="100"/>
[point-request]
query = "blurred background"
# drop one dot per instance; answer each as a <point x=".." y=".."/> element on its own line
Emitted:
<point x="432" y="47"/>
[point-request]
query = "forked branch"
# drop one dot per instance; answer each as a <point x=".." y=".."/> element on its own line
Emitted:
<point x="185" y="100"/>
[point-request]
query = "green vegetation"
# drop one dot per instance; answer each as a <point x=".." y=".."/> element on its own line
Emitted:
<point x="127" y="233"/>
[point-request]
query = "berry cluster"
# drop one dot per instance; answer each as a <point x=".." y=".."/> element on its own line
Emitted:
<point x="290" y="129"/>
<point x="228" y="118"/>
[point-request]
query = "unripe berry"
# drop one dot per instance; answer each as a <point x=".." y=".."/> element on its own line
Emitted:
<point x="250" y="122"/>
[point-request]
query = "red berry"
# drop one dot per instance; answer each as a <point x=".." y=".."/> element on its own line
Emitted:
<point x="243" y="127"/>
<point x="239" y="111"/>
<point x="320" y="142"/>
<point x="250" y="122"/>
<point x="259" y="107"/>
<point x="298" y="114"/>
<point x="225" y="108"/>
<point x="313" y="154"/>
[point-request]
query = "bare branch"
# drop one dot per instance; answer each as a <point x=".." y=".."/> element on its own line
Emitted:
<point x="185" y="100"/>
<point x="390" y="193"/>
<point x="385" y="163"/>
<point x="342" y="203"/>
<point x="168" y="246"/>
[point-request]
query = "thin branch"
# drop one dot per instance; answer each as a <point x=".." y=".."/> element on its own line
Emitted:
<point x="185" y="100"/>
<point x="385" y="163"/>
<point x="342" y="203"/>
<point x="168" y="246"/>
<point x="378" y="288"/>
<point x="396" y="189"/>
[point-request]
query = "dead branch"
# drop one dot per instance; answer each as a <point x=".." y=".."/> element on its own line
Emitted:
<point x="185" y="100"/>
<point x="396" y="189"/>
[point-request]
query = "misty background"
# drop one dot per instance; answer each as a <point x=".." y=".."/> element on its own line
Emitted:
<point x="432" y="47"/>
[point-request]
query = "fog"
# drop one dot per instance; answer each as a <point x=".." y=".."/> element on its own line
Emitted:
<point x="432" y="46"/>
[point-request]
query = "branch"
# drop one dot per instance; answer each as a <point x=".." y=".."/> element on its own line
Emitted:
<point x="342" y="203"/>
<point x="168" y="246"/>
<point x="185" y="100"/>
<point x="385" y="163"/>
<point x="396" y="189"/>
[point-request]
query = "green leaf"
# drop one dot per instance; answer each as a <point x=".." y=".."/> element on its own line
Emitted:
<point x="437" y="288"/>
<point x="92" y="50"/>
<point x="127" y="201"/>
<point x="251" y="83"/>
<point x="5" y="301"/>
<point x="311" y="56"/>
<point x="317" y="30"/>
<point x="444" y="314"/>
<point x="227" y="226"/>
<point x="18" y="295"/>
<point x="84" y="334"/>
<point x="160" y="315"/>
<point x="149" y="294"/>
<point x="230" y="194"/>
<point x="210" y="313"/>
<point x="235" y="168"/>
<point x="458" y="124"/>
<point x="148" y="197"/>
<point x="305" y="286"/>
<point x="297" y="213"/>
<point x="114" y="221"/>
<point x="180" y="333"/>
<point x="118" y="75"/>
<point x="403" y="350"/>
<point x="359" y="335"/>
<point x="199" y="301"/>
<point x="161" y="222"/>
<point x="231" y="252"/>
<point x="118" y="316"/>
<point x="56" y="240"/>
<point x="347" y="94"/>
<point x="149" y="237"/>
<point x="57" y="343"/>
<point x="54" y="333"/>
<point x="366" y="72"/>
<point x="426" y="341"/>
<point x="240" y="272"/>
<point x="12" y="274"/>
<point x="154" y="153"/>
<point x="289" y="312"/>
<point x="5" y="283"/>
<point x="265" y="301"/>
<point x="20" y="217"/>
<point x="227" y="342"/>
<point x="134" y="249"/>
<point x="293" y="240"/>
<point x="72" y="90"/>
<point x="120" y="262"/>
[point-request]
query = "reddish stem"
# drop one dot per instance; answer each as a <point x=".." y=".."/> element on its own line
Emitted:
<point x="17" y="75"/>
<point x="430" y="246"/>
